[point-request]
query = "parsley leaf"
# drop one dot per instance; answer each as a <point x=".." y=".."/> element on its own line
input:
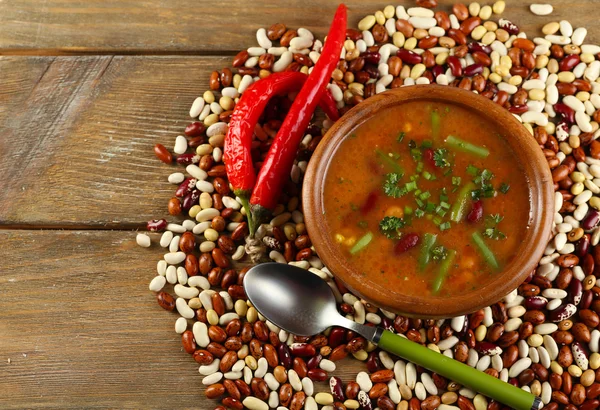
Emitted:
<point x="440" y="156"/>
<point x="390" y="225"/>
<point x="491" y="225"/>
<point x="390" y="186"/>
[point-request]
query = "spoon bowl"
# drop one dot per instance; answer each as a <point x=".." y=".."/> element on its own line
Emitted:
<point x="295" y="300"/>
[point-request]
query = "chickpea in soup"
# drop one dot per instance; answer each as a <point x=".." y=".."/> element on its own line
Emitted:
<point x="428" y="198"/>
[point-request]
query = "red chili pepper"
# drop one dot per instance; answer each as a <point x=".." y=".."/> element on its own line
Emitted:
<point x="237" y="154"/>
<point x="280" y="158"/>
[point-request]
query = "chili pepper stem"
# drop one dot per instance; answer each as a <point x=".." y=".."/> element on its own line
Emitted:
<point x="249" y="216"/>
<point x="259" y="214"/>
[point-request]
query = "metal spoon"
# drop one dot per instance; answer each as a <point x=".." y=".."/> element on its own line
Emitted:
<point x="301" y="303"/>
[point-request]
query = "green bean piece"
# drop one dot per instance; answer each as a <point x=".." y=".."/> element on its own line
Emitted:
<point x="362" y="243"/>
<point x="425" y="254"/>
<point x="459" y="209"/>
<point x="435" y="124"/>
<point x="443" y="271"/>
<point x="389" y="162"/>
<point x="467" y="147"/>
<point x="485" y="251"/>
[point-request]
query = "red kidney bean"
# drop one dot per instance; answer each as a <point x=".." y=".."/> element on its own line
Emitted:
<point x="582" y="246"/>
<point x="369" y="203"/>
<point x="371" y="57"/>
<point x="156" y="225"/>
<point x="408" y="56"/>
<point x="373" y="363"/>
<point x="569" y="62"/>
<point x="185" y="187"/>
<point x="285" y="358"/>
<point x="317" y="375"/>
<point x="508" y="26"/>
<point x="566" y="112"/>
<point x="190" y="199"/>
<point x="575" y="291"/>
<point x="303" y="350"/>
<point x="476" y="212"/>
<point x="518" y="109"/>
<point x="337" y="389"/>
<point x="336" y="337"/>
<point x="163" y="154"/>
<point x="408" y="241"/>
<point x="437" y="70"/>
<point x="536" y="303"/>
<point x="314" y="361"/>
<point x="194" y="129"/>
<point x="455" y="67"/>
<point x="187" y="159"/>
<point x="591" y="220"/>
<point x="476" y="46"/>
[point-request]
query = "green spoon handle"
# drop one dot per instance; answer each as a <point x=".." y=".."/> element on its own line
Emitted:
<point x="461" y="373"/>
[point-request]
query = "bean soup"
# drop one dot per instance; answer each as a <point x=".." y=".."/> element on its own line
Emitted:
<point x="427" y="197"/>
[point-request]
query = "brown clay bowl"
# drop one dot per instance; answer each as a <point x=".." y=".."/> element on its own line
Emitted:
<point x="534" y="167"/>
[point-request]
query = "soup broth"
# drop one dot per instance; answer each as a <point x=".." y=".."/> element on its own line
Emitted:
<point x="427" y="198"/>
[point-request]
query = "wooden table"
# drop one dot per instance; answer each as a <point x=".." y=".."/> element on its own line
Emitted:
<point x="86" y="90"/>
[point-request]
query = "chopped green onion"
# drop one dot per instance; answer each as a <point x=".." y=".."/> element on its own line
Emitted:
<point x="419" y="167"/>
<point x="425" y="253"/>
<point x="389" y="162"/>
<point x="425" y="195"/>
<point x="445" y="226"/>
<point x="362" y="243"/>
<point x="435" y="124"/>
<point x="426" y="144"/>
<point x="430" y="207"/>
<point x="437" y="220"/>
<point x="411" y="186"/>
<point x="486" y="252"/>
<point x="467" y="147"/>
<point x="400" y="137"/>
<point x="428" y="176"/>
<point x="486" y="174"/>
<point x="419" y="202"/>
<point x="472" y="170"/>
<point x="456" y="180"/>
<point x="443" y="271"/>
<point x="445" y="205"/>
<point x="408" y="210"/>
<point x="504" y="187"/>
<point x="419" y="213"/>
<point x="460" y="206"/>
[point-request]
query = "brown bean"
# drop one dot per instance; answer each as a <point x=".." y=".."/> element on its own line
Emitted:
<point x="187" y="340"/>
<point x="469" y="25"/>
<point x="166" y="301"/>
<point x="217" y="334"/>
<point x="191" y="264"/>
<point x="285" y="394"/>
<point x="275" y="31"/>
<point x="240" y="58"/>
<point x="216" y="349"/>
<point x="215" y="80"/>
<point x="460" y="11"/>
<point x="174" y="206"/>
<point x="203" y="357"/>
<point x="214" y="390"/>
<point x="287" y="37"/>
<point x="219" y="257"/>
<point x="227" y="361"/>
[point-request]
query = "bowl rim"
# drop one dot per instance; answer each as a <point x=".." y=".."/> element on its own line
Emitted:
<point x="534" y="167"/>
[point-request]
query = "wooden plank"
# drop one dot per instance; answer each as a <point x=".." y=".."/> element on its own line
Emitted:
<point x="81" y="142"/>
<point x="176" y="26"/>
<point x="80" y="329"/>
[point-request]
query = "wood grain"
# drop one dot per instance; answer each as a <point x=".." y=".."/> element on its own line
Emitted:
<point x="207" y="27"/>
<point x="81" y="142"/>
<point x="82" y="330"/>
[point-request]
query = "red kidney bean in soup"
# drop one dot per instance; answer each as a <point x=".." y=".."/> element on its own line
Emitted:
<point x="428" y="198"/>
